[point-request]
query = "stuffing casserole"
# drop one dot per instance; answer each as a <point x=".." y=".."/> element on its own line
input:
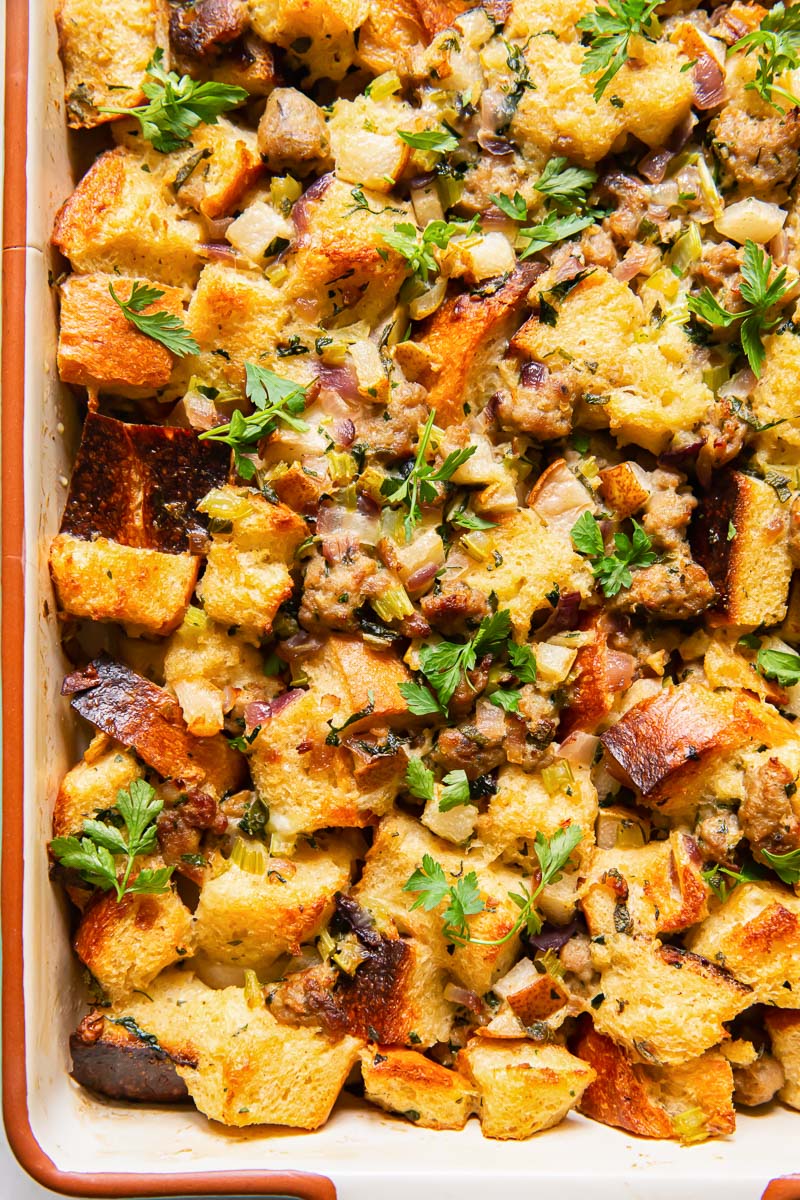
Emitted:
<point x="427" y="570"/>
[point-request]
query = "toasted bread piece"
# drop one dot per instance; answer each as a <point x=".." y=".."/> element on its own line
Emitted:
<point x="652" y="889"/>
<point x="92" y="784"/>
<point x="751" y="570"/>
<point x="249" y="920"/>
<point x="665" y="745"/>
<point x="105" y="56"/>
<point x="664" y="1004"/>
<point x="397" y="851"/>
<point x="213" y="175"/>
<point x="524" y="1087"/>
<point x="391" y="37"/>
<point x="465" y="339"/>
<point x="405" y="1082"/>
<point x="362" y="680"/>
<point x="99" y="228"/>
<point x="756" y="935"/>
<point x="646" y="1100"/>
<point x="522" y="807"/>
<point x="327" y="26"/>
<point x="138" y="714"/>
<point x="783" y="1027"/>
<point x="99" y="348"/>
<point x="126" y="943"/>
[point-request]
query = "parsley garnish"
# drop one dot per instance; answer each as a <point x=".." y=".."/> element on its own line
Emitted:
<point x="566" y="188"/>
<point x="440" y="141"/>
<point x="419" y="779"/>
<point x="445" y="664"/>
<point x="612" y="571"/>
<point x="515" y="207"/>
<point x="178" y="104"/>
<point x="785" y="866"/>
<point x="417" y="250"/>
<point x="432" y="889"/>
<point x="276" y="399"/>
<point x="760" y="295"/>
<point x="717" y="878"/>
<point x="780" y="665"/>
<point x="523" y="661"/>
<point x="610" y="28"/>
<point x="418" y="486"/>
<point x="554" y="229"/>
<point x="163" y="327"/>
<point x="455" y="791"/>
<point x="93" y="855"/>
<point x="468" y="520"/>
<point x="778" y="42"/>
<point x="508" y="700"/>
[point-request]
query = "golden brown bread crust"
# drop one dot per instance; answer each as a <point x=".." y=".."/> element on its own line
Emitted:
<point x="137" y="713"/>
<point x="425" y="1092"/>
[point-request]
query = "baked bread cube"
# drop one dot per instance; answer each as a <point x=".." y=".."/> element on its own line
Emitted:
<point x="752" y="570"/>
<point x="397" y="851"/>
<point x="307" y="782"/>
<point x="423" y="1091"/>
<point x="92" y="784"/>
<point x="319" y="32"/>
<point x="524" y="1087"/>
<point x="666" y="746"/>
<point x="653" y="1101"/>
<point x="531" y="996"/>
<point x="363" y="681"/>
<point x="105" y="59"/>
<point x="652" y="889"/>
<point x="146" y="718"/>
<point x="99" y="348"/>
<point x="392" y="38"/>
<point x="127" y="943"/>
<point x="755" y="934"/>
<point x="783" y="1027"/>
<point x="248" y="919"/>
<point x="464" y="340"/>
<point x="662" y="1003"/>
<point x="522" y="806"/>
<point x="773" y="400"/>
<point x="99" y="228"/>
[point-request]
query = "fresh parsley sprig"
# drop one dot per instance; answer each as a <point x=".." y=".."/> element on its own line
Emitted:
<point x="418" y="487"/>
<point x="554" y="229"/>
<point x="276" y="399"/>
<point x="722" y="880"/>
<point x="777" y="40"/>
<point x="781" y="665"/>
<point x="420" y="781"/>
<point x="565" y="188"/>
<point x="786" y="866"/>
<point x="445" y="664"/>
<point x="515" y="207"/>
<point x="94" y="855"/>
<point x="163" y="327"/>
<point x="610" y="28"/>
<point x="760" y="296"/>
<point x="439" y="141"/>
<point x="417" y="248"/>
<point x="612" y="571"/>
<point x="178" y="104"/>
<point x="430" y="885"/>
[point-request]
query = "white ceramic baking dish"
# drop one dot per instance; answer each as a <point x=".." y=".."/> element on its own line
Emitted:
<point x="67" y="1139"/>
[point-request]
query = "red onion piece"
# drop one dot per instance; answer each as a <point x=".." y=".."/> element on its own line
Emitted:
<point x="553" y="937"/>
<point x="579" y="748"/>
<point x="300" y="209"/>
<point x="339" y="379"/>
<point x="219" y="227"/>
<point x="564" y="615"/>
<point x="300" y="645"/>
<point x="201" y="412"/>
<point x="422" y="577"/>
<point x="708" y="83"/>
<point x="533" y="374"/>
<point x="569" y="268"/>
<point x="220" y="252"/>
<point x="682" y="454"/>
<point x="682" y="132"/>
<point x="633" y="262"/>
<point x="619" y="670"/>
<point x="496" y="146"/>
<point x="653" y="167"/>
<point x="463" y="996"/>
<point x="283" y="701"/>
<point x="344" y="431"/>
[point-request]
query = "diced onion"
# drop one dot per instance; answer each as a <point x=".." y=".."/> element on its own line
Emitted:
<point x="751" y="220"/>
<point x="258" y="228"/>
<point x="429" y="301"/>
<point x="462" y="996"/>
<point x="579" y="748"/>
<point x="554" y="663"/>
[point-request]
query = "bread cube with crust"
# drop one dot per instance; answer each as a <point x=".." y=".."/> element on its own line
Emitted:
<point x="533" y="18"/>
<point x="99" y="228"/>
<point x="397" y="851"/>
<point x="521" y="807"/>
<point x="105" y="59"/>
<point x="246" y="578"/>
<point x="667" y="746"/>
<point x="327" y="27"/>
<point x="92" y="784"/>
<point x="524" y="1086"/>
<point x="773" y="401"/>
<point x="647" y="1099"/>
<point x="428" y="1094"/>
<point x="464" y="340"/>
<point x="533" y="561"/>
<point x="363" y="680"/>
<point x="126" y="943"/>
<point x="652" y="889"/>
<point x="783" y="1027"/>
<point x="100" y="349"/>
<point x="663" y="1004"/>
<point x="392" y="38"/>
<point x="309" y="783"/>
<point x="755" y="934"/>
<point x="752" y="570"/>
<point x="249" y="919"/>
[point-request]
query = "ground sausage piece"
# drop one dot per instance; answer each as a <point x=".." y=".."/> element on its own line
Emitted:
<point x="668" y="510"/>
<point x="674" y="590"/>
<point x="717" y="832"/>
<point x="541" y="406"/>
<point x="292" y="132"/>
<point x="337" y="582"/>
<point x="759" y="153"/>
<point x="718" y="270"/>
<point x="759" y="1082"/>
<point x="457" y="608"/>
<point x="467" y="749"/>
<point x="576" y="957"/>
<point x="180" y="830"/>
<point x="770" y="811"/>
<point x="629" y="201"/>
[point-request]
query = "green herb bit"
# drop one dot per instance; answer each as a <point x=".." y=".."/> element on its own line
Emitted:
<point x="419" y="779"/>
<point x="416" y="248"/>
<point x="419" y="485"/>
<point x="94" y="855"/>
<point x="438" y="141"/>
<point x="455" y="791"/>
<point x="777" y="40"/>
<point x="612" y="571"/>
<point x="554" y="229"/>
<point x="445" y="664"/>
<point x="333" y="737"/>
<point x="276" y="399"/>
<point x="610" y="28"/>
<point x="163" y="327"/>
<point x="565" y="188"/>
<point x="515" y="207"/>
<point x="785" y="866"/>
<point x="781" y="665"/>
<point x="178" y="104"/>
<point x="760" y="296"/>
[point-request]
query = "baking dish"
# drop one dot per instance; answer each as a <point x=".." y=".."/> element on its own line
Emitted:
<point x="65" y="1138"/>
